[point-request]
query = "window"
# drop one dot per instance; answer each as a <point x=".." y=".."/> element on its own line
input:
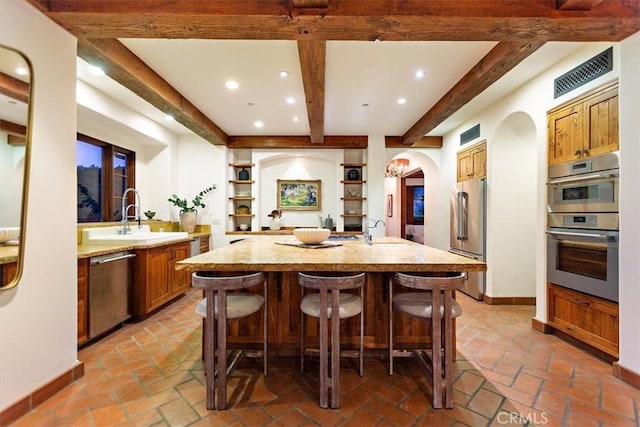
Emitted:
<point x="104" y="172"/>
<point x="415" y="204"/>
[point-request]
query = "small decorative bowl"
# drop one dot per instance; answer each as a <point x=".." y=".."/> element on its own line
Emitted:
<point x="150" y="214"/>
<point x="243" y="227"/>
<point x="311" y="236"/>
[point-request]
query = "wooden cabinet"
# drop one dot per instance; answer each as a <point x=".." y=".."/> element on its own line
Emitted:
<point x="7" y="272"/>
<point x="472" y="162"/>
<point x="589" y="319"/>
<point x="156" y="279"/>
<point x="83" y="304"/>
<point x="241" y="198"/>
<point x="584" y="127"/>
<point x="204" y="244"/>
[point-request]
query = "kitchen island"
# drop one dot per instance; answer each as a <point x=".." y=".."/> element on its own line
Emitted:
<point x="282" y="262"/>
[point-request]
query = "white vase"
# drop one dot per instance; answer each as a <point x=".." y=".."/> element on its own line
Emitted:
<point x="275" y="224"/>
<point x="188" y="221"/>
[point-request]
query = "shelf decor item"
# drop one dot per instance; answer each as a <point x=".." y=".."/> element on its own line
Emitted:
<point x="298" y="195"/>
<point x="188" y="212"/>
<point x="353" y="175"/>
<point x="243" y="175"/>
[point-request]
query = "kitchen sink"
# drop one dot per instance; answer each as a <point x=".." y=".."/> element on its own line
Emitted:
<point x="137" y="236"/>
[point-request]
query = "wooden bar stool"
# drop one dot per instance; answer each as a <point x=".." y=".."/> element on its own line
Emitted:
<point x="436" y="291"/>
<point x="214" y="332"/>
<point x="323" y="304"/>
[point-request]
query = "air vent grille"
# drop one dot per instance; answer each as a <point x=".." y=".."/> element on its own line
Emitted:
<point x="584" y="73"/>
<point x="470" y="134"/>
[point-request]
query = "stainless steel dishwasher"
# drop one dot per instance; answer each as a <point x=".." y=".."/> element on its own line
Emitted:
<point x="110" y="287"/>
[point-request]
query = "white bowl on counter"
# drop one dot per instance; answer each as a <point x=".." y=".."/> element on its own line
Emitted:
<point x="311" y="236"/>
<point x="8" y="233"/>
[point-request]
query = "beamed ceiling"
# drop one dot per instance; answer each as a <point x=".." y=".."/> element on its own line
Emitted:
<point x="119" y="34"/>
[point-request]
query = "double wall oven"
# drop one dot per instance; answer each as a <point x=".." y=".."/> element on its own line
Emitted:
<point x="582" y="225"/>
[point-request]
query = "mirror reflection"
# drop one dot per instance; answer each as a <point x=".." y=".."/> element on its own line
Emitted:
<point x="15" y="114"/>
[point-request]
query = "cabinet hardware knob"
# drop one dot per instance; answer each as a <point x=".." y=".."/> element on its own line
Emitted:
<point x="577" y="153"/>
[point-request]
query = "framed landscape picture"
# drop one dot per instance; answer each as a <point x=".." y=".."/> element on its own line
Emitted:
<point x="298" y="195"/>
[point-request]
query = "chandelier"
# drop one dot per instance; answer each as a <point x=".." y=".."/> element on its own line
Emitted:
<point x="396" y="168"/>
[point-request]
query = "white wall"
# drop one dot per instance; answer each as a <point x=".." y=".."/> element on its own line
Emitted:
<point x="630" y="204"/>
<point x="38" y="317"/>
<point x="511" y="219"/>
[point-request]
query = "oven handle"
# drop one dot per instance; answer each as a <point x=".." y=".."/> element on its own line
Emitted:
<point x="587" y="235"/>
<point x="586" y="177"/>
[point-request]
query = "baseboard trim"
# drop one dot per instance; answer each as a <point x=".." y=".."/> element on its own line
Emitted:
<point x="539" y="325"/>
<point x="509" y="300"/>
<point x="626" y="375"/>
<point x="26" y="404"/>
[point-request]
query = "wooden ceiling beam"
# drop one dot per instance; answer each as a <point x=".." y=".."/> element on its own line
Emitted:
<point x="123" y="66"/>
<point x="577" y="4"/>
<point x="495" y="64"/>
<point x="401" y="20"/>
<point x="13" y="128"/>
<point x="14" y="88"/>
<point x="424" y="142"/>
<point x="297" y="142"/>
<point x="312" y="63"/>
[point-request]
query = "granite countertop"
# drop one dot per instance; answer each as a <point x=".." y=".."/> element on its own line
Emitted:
<point x="9" y="254"/>
<point x="387" y="254"/>
<point x="87" y="251"/>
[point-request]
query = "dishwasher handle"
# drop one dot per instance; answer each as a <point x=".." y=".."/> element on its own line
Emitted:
<point x="107" y="260"/>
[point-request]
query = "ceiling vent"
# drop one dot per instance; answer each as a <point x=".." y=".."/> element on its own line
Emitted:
<point x="470" y="134"/>
<point x="584" y="73"/>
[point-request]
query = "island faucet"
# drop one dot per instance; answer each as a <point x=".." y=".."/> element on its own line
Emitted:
<point x="125" y="209"/>
<point x="368" y="239"/>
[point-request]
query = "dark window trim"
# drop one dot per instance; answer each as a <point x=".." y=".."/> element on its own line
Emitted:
<point x="109" y="199"/>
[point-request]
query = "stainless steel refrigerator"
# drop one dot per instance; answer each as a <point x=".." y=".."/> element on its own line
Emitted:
<point x="468" y="225"/>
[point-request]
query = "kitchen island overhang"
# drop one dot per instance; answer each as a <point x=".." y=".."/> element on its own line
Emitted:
<point x="385" y="255"/>
<point x="282" y="263"/>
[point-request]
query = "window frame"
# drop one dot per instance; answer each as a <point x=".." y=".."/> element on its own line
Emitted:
<point x="110" y="201"/>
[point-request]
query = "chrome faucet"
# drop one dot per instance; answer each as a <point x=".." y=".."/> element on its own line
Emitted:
<point x="368" y="239"/>
<point x="125" y="211"/>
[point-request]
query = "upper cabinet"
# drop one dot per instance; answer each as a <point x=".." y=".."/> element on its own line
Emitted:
<point x="584" y="127"/>
<point x="472" y="162"/>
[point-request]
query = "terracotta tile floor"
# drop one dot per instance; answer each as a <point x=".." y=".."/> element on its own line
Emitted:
<point x="150" y="374"/>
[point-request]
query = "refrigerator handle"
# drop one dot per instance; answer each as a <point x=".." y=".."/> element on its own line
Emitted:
<point x="462" y="216"/>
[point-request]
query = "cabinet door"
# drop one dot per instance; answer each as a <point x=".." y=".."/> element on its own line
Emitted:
<point x="566" y="134"/>
<point x="601" y="121"/>
<point x="590" y="319"/>
<point x="83" y="275"/>
<point x="179" y="279"/>
<point x="8" y="272"/>
<point x="159" y="260"/>
<point x="479" y="162"/>
<point x="465" y="165"/>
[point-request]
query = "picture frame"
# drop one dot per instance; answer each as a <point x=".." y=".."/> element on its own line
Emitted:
<point x="298" y="195"/>
<point x="389" y="205"/>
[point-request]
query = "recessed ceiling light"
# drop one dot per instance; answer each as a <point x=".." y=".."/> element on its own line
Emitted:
<point x="296" y="119"/>
<point x="284" y="74"/>
<point x="232" y="85"/>
<point x="419" y="74"/>
<point x="94" y="69"/>
<point x="291" y="100"/>
<point x="402" y="101"/>
<point x="258" y="124"/>
<point x="21" y="71"/>
<point x="168" y="117"/>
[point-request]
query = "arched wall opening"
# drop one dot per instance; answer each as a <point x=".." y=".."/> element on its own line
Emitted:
<point x="435" y="215"/>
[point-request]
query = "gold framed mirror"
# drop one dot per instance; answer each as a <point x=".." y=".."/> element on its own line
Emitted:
<point x="16" y="92"/>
